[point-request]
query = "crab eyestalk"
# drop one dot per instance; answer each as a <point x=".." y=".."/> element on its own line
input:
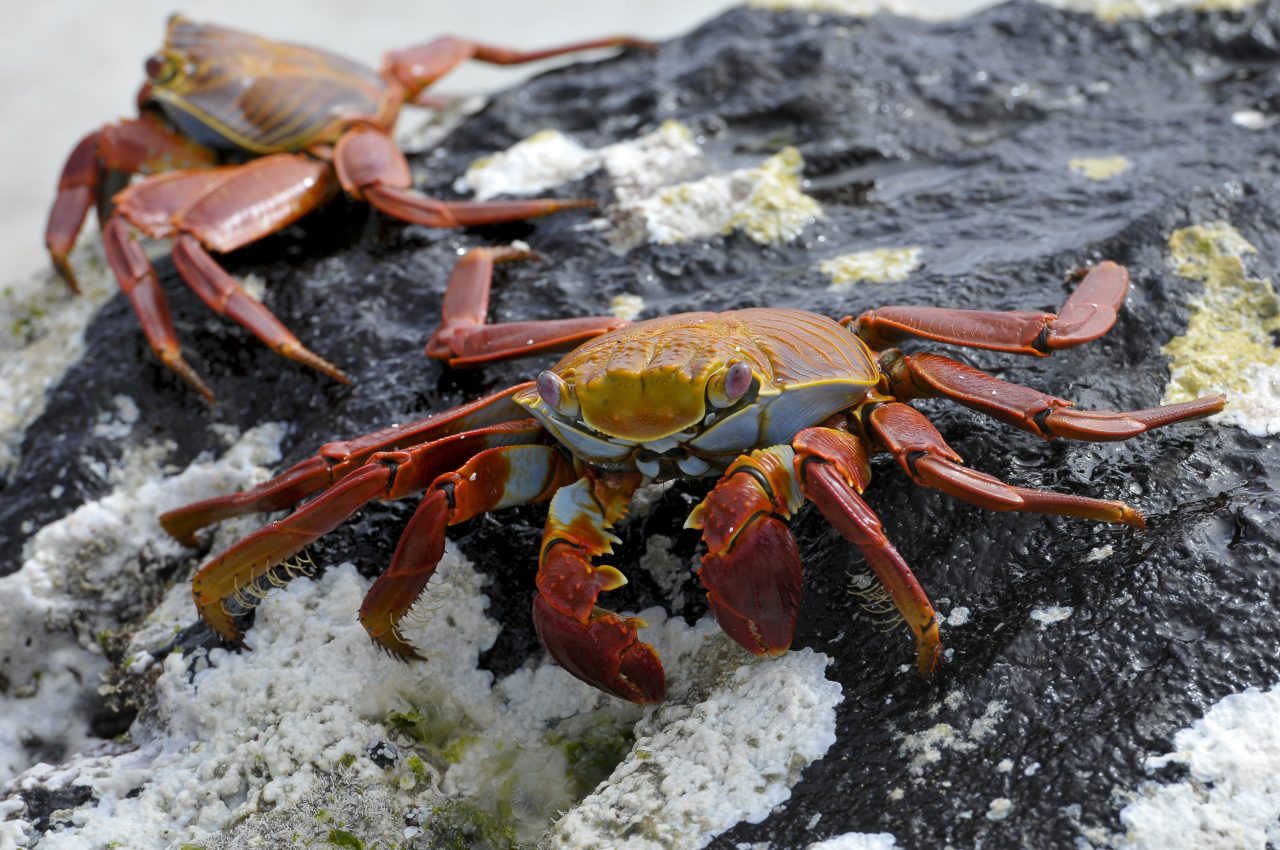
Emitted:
<point x="726" y="387"/>
<point x="558" y="395"/>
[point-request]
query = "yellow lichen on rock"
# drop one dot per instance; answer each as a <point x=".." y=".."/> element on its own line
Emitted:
<point x="881" y="265"/>
<point x="1099" y="167"/>
<point x="1227" y="347"/>
<point x="852" y="8"/>
<point x="1120" y="10"/>
<point x="626" y="306"/>
<point x="776" y="210"/>
<point x="765" y="202"/>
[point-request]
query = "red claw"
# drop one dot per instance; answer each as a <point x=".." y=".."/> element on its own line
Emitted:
<point x="755" y="587"/>
<point x="604" y="652"/>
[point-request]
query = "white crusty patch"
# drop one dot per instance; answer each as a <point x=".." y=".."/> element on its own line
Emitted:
<point x="651" y="179"/>
<point x="857" y="841"/>
<point x="1119" y="10"/>
<point x="79" y="571"/>
<point x="1231" y="799"/>
<point x="256" y="730"/>
<point x="852" y="8"/>
<point x="1108" y="10"/>
<point x="549" y="158"/>
<point x="1252" y="119"/>
<point x="42" y="327"/>
<point x="703" y="763"/>
<point x="925" y="748"/>
<point x="1052" y="614"/>
<point x="763" y="202"/>
<point x="545" y="159"/>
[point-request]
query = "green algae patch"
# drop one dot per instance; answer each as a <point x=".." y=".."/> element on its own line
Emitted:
<point x="1099" y="167"/>
<point x="881" y="265"/>
<point x="1228" y="347"/>
<point x="593" y="744"/>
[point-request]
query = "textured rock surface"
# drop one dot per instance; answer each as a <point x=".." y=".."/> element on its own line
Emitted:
<point x="976" y="142"/>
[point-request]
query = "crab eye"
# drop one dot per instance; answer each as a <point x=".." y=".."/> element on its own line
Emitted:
<point x="558" y="395"/>
<point x="725" y="388"/>
<point x="160" y="68"/>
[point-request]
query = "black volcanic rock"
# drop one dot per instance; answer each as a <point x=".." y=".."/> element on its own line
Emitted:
<point x="954" y="137"/>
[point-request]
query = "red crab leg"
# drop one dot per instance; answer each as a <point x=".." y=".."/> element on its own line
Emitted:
<point x="221" y="292"/>
<point x="419" y="66"/>
<point x="934" y="376"/>
<point x="210" y="207"/>
<point x="832" y="465"/>
<point x="1088" y="314"/>
<point x="494" y="479"/>
<point x="594" y="644"/>
<point x="335" y="461"/>
<point x="387" y="476"/>
<point x="256" y="199"/>
<point x="142" y="145"/>
<point x="371" y="168"/>
<point x="138" y="282"/>
<point x="465" y="340"/>
<point x="77" y="191"/>
<point x="752" y="566"/>
<point x="926" y="457"/>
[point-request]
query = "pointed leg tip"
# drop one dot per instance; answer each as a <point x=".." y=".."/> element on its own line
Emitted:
<point x="397" y="647"/>
<point x="183" y="370"/>
<point x="928" y="653"/>
<point x="63" y="266"/>
<point x="1133" y="519"/>
<point x="300" y="353"/>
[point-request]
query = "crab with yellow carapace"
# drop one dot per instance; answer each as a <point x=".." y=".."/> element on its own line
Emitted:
<point x="780" y="405"/>
<point x="240" y="137"/>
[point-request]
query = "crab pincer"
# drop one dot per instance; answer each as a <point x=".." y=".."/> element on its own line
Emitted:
<point x="595" y="644"/>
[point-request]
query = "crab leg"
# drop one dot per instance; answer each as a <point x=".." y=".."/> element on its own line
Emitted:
<point x="492" y="480"/>
<point x="594" y="644"/>
<point x="142" y="145"/>
<point x="465" y="340"/>
<point x="488" y="418"/>
<point x="221" y="292"/>
<point x="207" y="207"/>
<point x="926" y="457"/>
<point x="77" y="191"/>
<point x="371" y="168"/>
<point x="752" y="566"/>
<point x="417" y="67"/>
<point x="832" y="465"/>
<point x="387" y="476"/>
<point x="139" y="283"/>
<point x="934" y="376"/>
<point x="1088" y="314"/>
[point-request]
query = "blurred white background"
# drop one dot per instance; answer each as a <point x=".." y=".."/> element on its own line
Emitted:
<point x="68" y="66"/>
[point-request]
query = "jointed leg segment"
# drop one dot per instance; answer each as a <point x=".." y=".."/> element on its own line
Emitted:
<point x="934" y="376"/>
<point x="1088" y="314"/>
<point x="335" y="461"/>
<point x="465" y="340"/>
<point x="491" y="479"/>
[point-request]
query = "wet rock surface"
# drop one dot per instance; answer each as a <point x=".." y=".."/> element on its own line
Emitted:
<point x="954" y="138"/>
